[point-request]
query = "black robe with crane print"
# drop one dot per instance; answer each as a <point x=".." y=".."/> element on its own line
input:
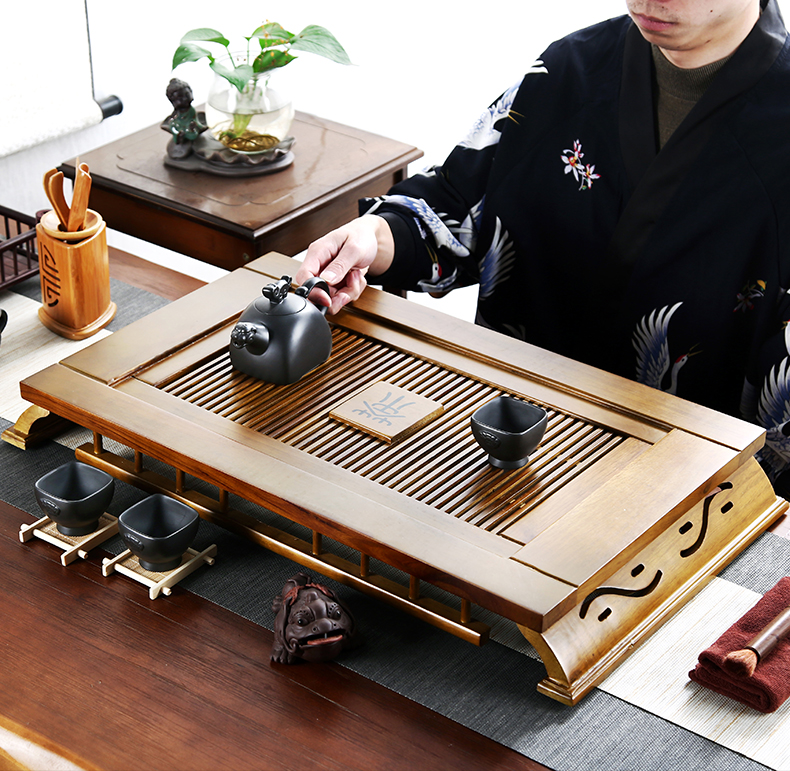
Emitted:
<point x="671" y="267"/>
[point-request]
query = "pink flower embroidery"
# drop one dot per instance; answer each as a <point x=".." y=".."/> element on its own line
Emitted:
<point x="747" y="294"/>
<point x="582" y="173"/>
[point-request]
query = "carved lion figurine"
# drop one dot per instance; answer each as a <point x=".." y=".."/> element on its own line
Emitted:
<point x="311" y="622"/>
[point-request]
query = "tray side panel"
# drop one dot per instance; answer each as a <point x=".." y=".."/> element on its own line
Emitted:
<point x="604" y="530"/>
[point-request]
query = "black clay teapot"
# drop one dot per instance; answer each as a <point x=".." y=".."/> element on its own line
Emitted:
<point x="281" y="336"/>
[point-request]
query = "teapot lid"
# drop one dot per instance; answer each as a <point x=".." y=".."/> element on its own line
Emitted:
<point x="277" y="301"/>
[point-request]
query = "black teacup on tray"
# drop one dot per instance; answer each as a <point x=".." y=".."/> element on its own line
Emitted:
<point x="509" y="430"/>
<point x="74" y="496"/>
<point x="158" y="530"/>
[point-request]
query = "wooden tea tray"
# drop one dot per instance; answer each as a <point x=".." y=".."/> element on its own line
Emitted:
<point x="632" y="501"/>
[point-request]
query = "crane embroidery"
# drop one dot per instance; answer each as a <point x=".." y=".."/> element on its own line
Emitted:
<point x="652" y="350"/>
<point x="773" y="410"/>
<point x="498" y="263"/>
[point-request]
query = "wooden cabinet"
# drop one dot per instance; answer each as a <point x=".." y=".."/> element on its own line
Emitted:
<point x="228" y="221"/>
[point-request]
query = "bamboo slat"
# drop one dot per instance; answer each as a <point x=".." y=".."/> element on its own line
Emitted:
<point x="441" y="464"/>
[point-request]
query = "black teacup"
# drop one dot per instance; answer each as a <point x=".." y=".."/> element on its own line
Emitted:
<point x="509" y="430"/>
<point x="74" y="496"/>
<point x="158" y="530"/>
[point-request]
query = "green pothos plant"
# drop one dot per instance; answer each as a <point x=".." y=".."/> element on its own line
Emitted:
<point x="268" y="48"/>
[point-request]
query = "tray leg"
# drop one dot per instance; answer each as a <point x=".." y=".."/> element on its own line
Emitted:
<point x="108" y="563"/>
<point x="190" y="565"/>
<point x="28" y="531"/>
<point x="34" y="425"/>
<point x="158" y="583"/>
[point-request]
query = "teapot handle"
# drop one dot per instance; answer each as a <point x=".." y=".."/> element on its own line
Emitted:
<point x="311" y="284"/>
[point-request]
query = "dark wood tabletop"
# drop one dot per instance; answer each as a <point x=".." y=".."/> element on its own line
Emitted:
<point x="70" y="656"/>
<point x="112" y="680"/>
<point x="228" y="221"/>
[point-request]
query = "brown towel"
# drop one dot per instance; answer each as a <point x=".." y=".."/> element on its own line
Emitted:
<point x="769" y="686"/>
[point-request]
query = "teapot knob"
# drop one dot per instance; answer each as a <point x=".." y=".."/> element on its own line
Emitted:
<point x="277" y="291"/>
<point x="309" y="285"/>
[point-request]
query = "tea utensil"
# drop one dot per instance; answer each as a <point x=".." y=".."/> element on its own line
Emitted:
<point x="53" y="186"/>
<point x="509" y="430"/>
<point x="79" y="200"/>
<point x="90" y="226"/>
<point x="744" y="662"/>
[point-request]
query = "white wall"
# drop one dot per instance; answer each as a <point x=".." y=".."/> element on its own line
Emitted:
<point x="422" y="70"/>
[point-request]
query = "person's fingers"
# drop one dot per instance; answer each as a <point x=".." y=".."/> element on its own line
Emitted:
<point x="319" y="254"/>
<point x="355" y="252"/>
<point x="341" y="258"/>
<point x="355" y="285"/>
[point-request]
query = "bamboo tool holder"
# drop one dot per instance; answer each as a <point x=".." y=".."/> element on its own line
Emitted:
<point x="75" y="277"/>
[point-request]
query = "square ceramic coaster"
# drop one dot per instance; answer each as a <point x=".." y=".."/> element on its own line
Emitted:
<point x="387" y="412"/>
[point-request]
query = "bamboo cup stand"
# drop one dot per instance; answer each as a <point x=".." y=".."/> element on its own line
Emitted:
<point x="75" y="277"/>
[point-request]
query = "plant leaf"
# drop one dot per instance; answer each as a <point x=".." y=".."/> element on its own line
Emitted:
<point x="320" y="41"/>
<point x="271" y="34"/>
<point x="207" y="35"/>
<point x="238" y="76"/>
<point x="270" y="59"/>
<point x="189" y="52"/>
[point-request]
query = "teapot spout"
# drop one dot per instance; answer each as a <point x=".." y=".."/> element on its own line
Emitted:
<point x="253" y="337"/>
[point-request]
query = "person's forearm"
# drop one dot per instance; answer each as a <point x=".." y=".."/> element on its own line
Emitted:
<point x="386" y="246"/>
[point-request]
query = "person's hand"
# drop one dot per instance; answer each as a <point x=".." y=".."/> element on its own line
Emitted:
<point x="343" y="257"/>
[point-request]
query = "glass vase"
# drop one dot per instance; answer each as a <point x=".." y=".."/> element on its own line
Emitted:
<point x="253" y="120"/>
